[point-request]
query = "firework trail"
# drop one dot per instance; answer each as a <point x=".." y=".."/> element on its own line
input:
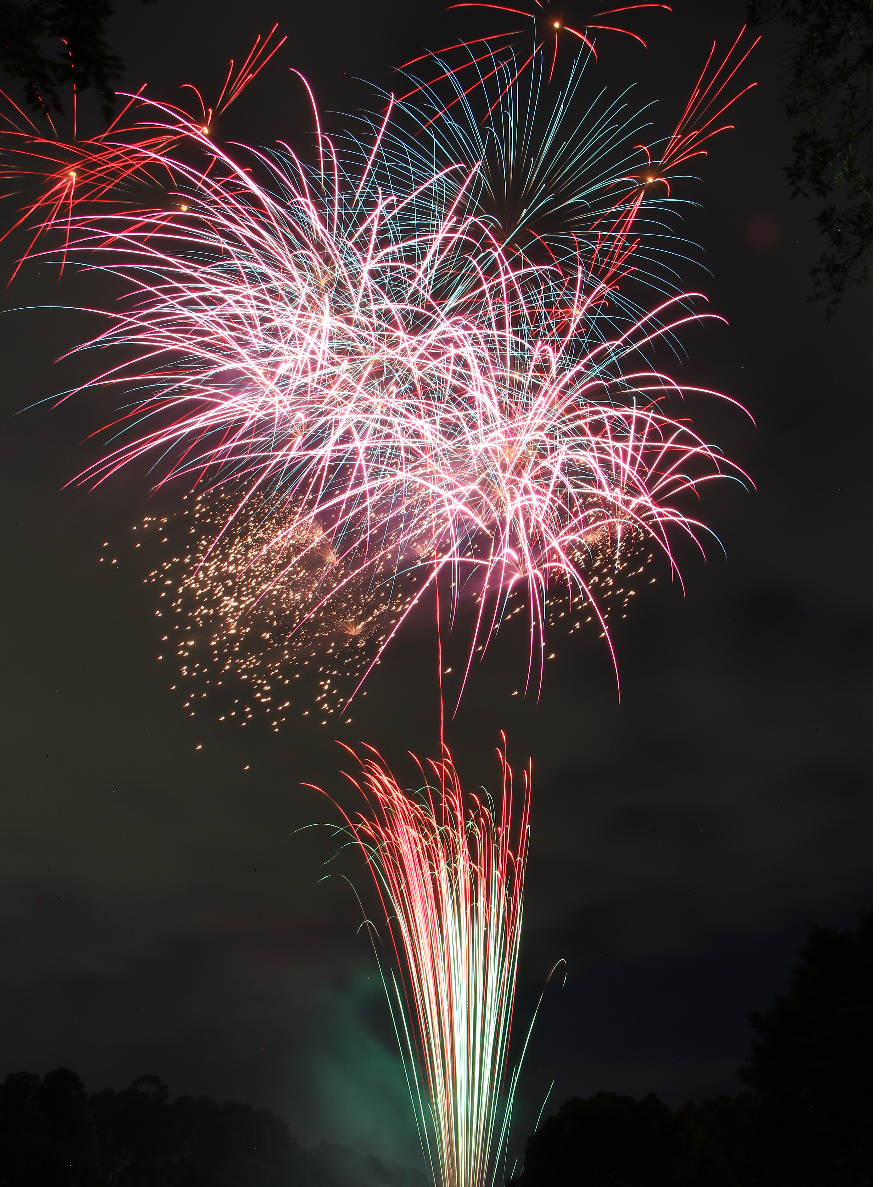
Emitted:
<point x="449" y="870"/>
<point x="378" y="385"/>
<point x="113" y="168"/>
<point x="558" y="176"/>
<point x="545" y="29"/>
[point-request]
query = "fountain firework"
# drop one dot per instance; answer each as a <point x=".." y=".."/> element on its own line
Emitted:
<point x="448" y="868"/>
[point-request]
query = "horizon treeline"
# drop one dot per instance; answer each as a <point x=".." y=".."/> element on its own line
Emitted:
<point x="53" y="1134"/>
<point x="805" y="1120"/>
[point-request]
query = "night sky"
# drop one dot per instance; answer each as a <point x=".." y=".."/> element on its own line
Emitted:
<point x="157" y="912"/>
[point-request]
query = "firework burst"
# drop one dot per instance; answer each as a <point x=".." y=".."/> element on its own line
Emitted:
<point x="374" y="386"/>
<point x="561" y="175"/>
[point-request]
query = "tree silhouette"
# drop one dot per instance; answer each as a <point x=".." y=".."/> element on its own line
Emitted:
<point x="810" y="1066"/>
<point x="807" y="1122"/>
<point x="232" y="1145"/>
<point x="732" y="1123"/>
<point x="133" y="1133"/>
<point x="53" y="1135"/>
<point x="45" y="1131"/>
<point x="22" y="1129"/>
<point x="616" y="1141"/>
<point x="80" y="55"/>
<point x="829" y="72"/>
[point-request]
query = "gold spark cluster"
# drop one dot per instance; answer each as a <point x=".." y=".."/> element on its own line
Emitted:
<point x="258" y="598"/>
<point x="255" y="599"/>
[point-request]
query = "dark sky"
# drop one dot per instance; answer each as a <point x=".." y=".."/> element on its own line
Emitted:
<point x="156" y="913"/>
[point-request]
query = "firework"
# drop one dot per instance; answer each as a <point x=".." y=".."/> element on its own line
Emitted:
<point x="556" y="171"/>
<point x="234" y="611"/>
<point x="372" y="391"/>
<point x="449" y="872"/>
<point x="541" y="28"/>
<point x="115" y="168"/>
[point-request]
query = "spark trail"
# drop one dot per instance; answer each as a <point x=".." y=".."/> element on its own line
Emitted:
<point x="449" y="868"/>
